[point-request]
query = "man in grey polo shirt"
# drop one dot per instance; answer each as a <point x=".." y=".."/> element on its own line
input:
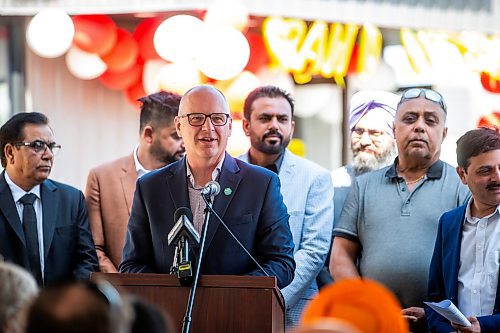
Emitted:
<point x="390" y="217"/>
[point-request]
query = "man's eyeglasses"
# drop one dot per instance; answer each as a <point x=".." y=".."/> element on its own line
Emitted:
<point x="429" y="95"/>
<point x="373" y="134"/>
<point x="198" y="119"/>
<point x="39" y="146"/>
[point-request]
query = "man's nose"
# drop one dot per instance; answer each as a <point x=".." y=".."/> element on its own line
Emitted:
<point x="274" y="122"/>
<point x="365" y="139"/>
<point x="207" y="125"/>
<point x="47" y="153"/>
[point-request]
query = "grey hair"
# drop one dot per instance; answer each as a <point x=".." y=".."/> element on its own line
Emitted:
<point x="17" y="289"/>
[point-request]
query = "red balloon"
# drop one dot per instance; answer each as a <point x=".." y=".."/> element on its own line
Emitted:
<point x="144" y="34"/>
<point x="491" y="120"/>
<point x="124" y="54"/>
<point x="94" y="33"/>
<point x="135" y="92"/>
<point x="258" y="53"/>
<point x="122" y="80"/>
<point x="490" y="83"/>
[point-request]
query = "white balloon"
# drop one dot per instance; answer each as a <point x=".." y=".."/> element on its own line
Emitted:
<point x="179" y="77"/>
<point x="50" y="33"/>
<point x="223" y="52"/>
<point x="228" y="12"/>
<point x="84" y="65"/>
<point x="150" y="79"/>
<point x="176" y="38"/>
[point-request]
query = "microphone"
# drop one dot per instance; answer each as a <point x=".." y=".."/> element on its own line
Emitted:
<point x="211" y="188"/>
<point x="184" y="234"/>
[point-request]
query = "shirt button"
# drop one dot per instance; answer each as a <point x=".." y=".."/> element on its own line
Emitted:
<point x="403" y="189"/>
<point x="474" y="291"/>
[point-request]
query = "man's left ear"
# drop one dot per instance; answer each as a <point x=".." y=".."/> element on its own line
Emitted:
<point x="293" y="129"/>
<point x="445" y="133"/>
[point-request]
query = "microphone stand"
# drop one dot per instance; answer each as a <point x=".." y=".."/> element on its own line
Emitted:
<point x="186" y="325"/>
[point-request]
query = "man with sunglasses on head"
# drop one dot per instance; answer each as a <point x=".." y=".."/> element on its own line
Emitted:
<point x="249" y="202"/>
<point x="43" y="223"/>
<point x="390" y="217"/>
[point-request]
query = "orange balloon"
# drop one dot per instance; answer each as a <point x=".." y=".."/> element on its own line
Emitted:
<point x="122" y="80"/>
<point x="135" y="92"/>
<point x="124" y="54"/>
<point x="94" y="33"/>
<point x="143" y="34"/>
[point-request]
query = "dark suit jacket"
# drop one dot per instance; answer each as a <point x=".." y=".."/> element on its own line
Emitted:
<point x="443" y="274"/>
<point x="68" y="247"/>
<point x="250" y="204"/>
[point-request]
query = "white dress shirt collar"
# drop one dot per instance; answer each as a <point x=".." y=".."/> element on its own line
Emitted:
<point x="141" y="170"/>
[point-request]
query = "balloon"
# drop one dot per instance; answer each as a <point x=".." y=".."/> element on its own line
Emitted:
<point x="227" y="12"/>
<point x="150" y="77"/>
<point x="176" y="39"/>
<point x="84" y="65"/>
<point x="94" y="33"/>
<point x="491" y="120"/>
<point x="144" y="34"/>
<point x="133" y="93"/>
<point x="223" y="52"/>
<point x="489" y="83"/>
<point x="50" y="33"/>
<point x="122" y="80"/>
<point x="258" y="52"/>
<point x="178" y="77"/>
<point x="298" y="147"/>
<point x="237" y="90"/>
<point x="124" y="54"/>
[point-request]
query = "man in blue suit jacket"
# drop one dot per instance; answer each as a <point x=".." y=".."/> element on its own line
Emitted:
<point x="465" y="263"/>
<point x="54" y="243"/>
<point x="250" y="202"/>
<point x="306" y="188"/>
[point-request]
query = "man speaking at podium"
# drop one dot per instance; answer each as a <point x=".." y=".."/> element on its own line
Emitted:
<point x="250" y="202"/>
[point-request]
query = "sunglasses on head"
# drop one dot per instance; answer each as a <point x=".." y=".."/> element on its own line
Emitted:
<point x="428" y="94"/>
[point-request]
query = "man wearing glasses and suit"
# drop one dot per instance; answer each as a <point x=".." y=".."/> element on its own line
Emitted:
<point x="249" y="202"/>
<point x="43" y="223"/>
<point x="389" y="222"/>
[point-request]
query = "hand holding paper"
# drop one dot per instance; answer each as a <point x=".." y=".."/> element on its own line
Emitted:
<point x="448" y="310"/>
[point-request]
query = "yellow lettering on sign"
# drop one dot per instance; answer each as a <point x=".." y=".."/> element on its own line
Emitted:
<point x="319" y="50"/>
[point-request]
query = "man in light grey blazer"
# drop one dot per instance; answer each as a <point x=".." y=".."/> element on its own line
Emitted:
<point x="306" y="188"/>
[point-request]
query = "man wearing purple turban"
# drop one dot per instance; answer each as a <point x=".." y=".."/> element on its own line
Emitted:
<point x="372" y="144"/>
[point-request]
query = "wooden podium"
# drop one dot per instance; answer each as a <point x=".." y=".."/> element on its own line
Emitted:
<point x="223" y="303"/>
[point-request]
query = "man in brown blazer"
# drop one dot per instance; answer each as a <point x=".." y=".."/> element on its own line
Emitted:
<point x="110" y="187"/>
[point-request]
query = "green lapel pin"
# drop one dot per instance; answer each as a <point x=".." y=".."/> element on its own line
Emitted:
<point x="228" y="191"/>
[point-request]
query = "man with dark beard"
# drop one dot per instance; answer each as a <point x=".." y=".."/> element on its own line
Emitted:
<point x="306" y="188"/>
<point x="110" y="187"/>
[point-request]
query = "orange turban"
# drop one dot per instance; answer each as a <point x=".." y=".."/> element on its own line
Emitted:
<point x="365" y="304"/>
